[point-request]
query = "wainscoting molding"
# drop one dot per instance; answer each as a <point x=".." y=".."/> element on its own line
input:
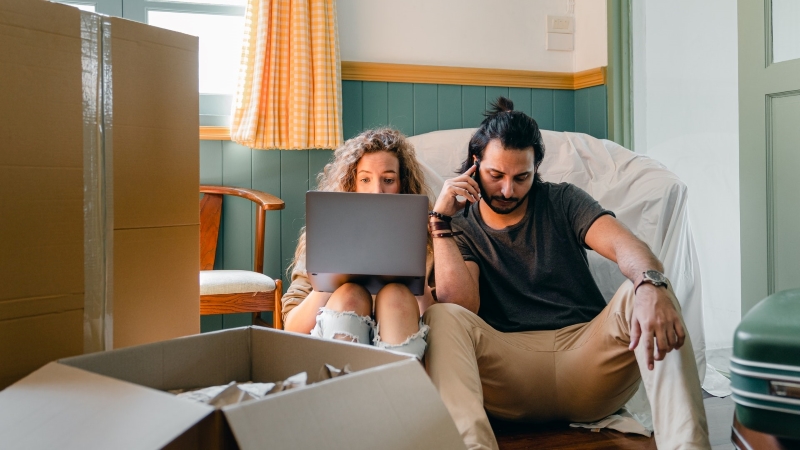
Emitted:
<point x="468" y="76"/>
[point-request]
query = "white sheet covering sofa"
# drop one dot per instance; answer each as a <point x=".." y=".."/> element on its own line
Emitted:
<point x="644" y="195"/>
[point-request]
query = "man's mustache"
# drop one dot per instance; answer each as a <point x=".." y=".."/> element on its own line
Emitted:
<point x="503" y="199"/>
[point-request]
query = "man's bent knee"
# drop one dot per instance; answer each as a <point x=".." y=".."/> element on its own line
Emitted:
<point x="440" y="312"/>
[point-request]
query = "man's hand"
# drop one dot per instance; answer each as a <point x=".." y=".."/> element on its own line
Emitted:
<point x="654" y="316"/>
<point x="462" y="185"/>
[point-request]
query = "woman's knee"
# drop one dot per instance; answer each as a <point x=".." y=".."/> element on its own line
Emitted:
<point x="395" y="300"/>
<point x="351" y="297"/>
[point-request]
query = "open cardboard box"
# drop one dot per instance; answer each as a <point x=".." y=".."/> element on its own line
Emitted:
<point x="117" y="399"/>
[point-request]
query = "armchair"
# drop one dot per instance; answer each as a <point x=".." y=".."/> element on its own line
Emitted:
<point x="236" y="291"/>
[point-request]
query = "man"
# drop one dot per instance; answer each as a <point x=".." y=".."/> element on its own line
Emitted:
<point x="521" y="330"/>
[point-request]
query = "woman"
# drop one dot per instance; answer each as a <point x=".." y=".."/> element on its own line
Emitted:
<point x="375" y="161"/>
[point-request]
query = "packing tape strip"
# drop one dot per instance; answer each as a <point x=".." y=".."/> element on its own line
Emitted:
<point x="97" y="182"/>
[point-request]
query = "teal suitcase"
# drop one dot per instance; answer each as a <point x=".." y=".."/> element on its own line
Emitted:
<point x="765" y="367"/>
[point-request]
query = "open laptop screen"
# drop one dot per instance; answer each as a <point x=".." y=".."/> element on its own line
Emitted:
<point x="369" y="239"/>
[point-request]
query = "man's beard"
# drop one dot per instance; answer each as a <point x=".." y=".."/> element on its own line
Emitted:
<point x="514" y="201"/>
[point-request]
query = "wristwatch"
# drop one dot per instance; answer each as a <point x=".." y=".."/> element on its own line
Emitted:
<point x="653" y="277"/>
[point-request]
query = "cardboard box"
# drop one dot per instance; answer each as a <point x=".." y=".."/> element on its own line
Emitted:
<point x="115" y="399"/>
<point x="149" y="136"/>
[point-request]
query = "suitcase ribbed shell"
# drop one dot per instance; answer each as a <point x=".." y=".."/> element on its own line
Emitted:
<point x="765" y="367"/>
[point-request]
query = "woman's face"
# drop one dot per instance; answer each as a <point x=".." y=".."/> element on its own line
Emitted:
<point x="378" y="173"/>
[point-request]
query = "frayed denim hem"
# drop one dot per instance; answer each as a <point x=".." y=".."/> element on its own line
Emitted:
<point x="413" y="345"/>
<point x="343" y="325"/>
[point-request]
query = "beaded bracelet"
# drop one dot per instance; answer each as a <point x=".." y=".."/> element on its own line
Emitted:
<point x="440" y="216"/>
<point x="451" y="234"/>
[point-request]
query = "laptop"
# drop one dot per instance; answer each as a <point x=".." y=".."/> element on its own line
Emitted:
<point x="369" y="239"/>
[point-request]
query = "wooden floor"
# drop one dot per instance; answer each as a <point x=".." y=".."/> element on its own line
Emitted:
<point x="511" y="436"/>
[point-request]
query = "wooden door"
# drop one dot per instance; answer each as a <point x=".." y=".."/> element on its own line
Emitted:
<point x="769" y="147"/>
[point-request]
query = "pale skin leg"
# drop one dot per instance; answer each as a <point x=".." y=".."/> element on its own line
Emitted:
<point x="397" y="312"/>
<point x="350" y="297"/>
<point x="396" y="309"/>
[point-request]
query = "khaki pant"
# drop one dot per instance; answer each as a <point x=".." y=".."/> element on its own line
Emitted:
<point x="580" y="373"/>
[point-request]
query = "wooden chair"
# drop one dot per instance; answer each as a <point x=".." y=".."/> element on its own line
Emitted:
<point x="236" y="291"/>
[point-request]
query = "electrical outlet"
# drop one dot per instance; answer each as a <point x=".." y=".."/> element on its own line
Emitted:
<point x="561" y="24"/>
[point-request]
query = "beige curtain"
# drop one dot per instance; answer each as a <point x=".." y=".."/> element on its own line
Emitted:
<point x="289" y="90"/>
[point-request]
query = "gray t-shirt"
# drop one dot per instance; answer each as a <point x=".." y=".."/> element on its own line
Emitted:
<point x="534" y="275"/>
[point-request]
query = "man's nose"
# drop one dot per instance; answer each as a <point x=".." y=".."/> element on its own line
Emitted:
<point x="507" y="189"/>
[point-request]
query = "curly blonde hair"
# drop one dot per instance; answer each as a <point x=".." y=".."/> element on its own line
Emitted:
<point x="339" y="175"/>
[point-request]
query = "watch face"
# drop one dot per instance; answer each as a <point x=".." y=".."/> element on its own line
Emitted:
<point x="656" y="276"/>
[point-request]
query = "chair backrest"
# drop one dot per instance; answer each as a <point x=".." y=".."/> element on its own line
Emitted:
<point x="211" y="211"/>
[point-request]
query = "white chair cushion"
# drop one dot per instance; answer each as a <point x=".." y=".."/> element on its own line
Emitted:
<point x="214" y="282"/>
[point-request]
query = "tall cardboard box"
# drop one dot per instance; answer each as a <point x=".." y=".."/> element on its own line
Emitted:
<point x="143" y="124"/>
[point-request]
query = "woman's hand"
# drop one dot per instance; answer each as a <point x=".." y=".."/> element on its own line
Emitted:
<point x="462" y="185"/>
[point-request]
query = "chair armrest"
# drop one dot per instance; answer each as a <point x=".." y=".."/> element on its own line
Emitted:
<point x="266" y="201"/>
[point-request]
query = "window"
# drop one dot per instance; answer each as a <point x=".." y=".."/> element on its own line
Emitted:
<point x="220" y="45"/>
<point x="219" y="24"/>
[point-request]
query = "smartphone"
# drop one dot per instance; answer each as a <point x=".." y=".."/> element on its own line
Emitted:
<point x="474" y="177"/>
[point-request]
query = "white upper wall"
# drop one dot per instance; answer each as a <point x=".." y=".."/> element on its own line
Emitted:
<point x="591" y="35"/>
<point x="508" y="34"/>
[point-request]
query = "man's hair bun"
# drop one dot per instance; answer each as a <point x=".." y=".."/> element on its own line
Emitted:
<point x="498" y="106"/>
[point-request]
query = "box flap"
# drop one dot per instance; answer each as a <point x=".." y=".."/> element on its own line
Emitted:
<point x="393" y="407"/>
<point x="202" y="360"/>
<point x="63" y="407"/>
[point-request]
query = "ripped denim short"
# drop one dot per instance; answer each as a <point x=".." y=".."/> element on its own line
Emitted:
<point x="362" y="329"/>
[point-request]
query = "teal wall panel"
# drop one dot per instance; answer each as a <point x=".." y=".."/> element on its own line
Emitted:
<point x="563" y="110"/>
<point x="294" y="184"/>
<point x="542" y="108"/>
<point x="210" y="323"/>
<point x="598" y="112"/>
<point x="375" y="100"/>
<point x="582" y="115"/>
<point x="411" y="108"/>
<point x="449" y="107"/>
<point x="426" y="109"/>
<point x="590" y="111"/>
<point x="521" y="98"/>
<point x="352" y="108"/>
<point x="473" y="105"/>
<point x="316" y="162"/>
<point x="401" y="107"/>
<point x="210" y="162"/>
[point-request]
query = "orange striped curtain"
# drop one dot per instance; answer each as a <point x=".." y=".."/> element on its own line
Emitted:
<point x="289" y="90"/>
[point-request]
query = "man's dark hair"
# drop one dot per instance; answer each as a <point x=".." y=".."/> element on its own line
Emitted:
<point x="515" y="130"/>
